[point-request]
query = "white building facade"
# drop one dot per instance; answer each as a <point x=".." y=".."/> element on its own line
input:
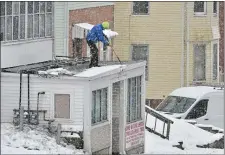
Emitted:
<point x="26" y="32"/>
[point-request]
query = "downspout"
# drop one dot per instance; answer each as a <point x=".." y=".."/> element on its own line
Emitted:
<point x="28" y="96"/>
<point x="182" y="44"/>
<point x="188" y="44"/>
<point x="21" y="74"/>
<point x="53" y="33"/>
<point x="66" y="30"/>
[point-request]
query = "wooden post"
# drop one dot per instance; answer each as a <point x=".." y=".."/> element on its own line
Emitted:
<point x="21" y="117"/>
<point x="58" y="133"/>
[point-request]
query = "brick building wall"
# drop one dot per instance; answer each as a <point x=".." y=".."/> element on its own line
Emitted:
<point x="221" y="24"/>
<point x="93" y="16"/>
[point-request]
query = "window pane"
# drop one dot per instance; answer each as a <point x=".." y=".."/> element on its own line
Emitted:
<point x="36" y="25"/>
<point x="128" y="100"/>
<point x="15" y="8"/>
<point x="30" y="27"/>
<point x="30" y="7"/>
<point x="2" y="29"/>
<point x="199" y="110"/>
<point x="134" y="99"/>
<point x="98" y="104"/>
<point x="22" y="7"/>
<point x="15" y="27"/>
<point x="93" y="107"/>
<point x="199" y="62"/>
<point x="139" y="97"/>
<point x="42" y="7"/>
<point x="2" y="8"/>
<point x="9" y="8"/>
<point x="215" y="63"/>
<point x="198" y="6"/>
<point x="36" y="7"/>
<point x="140" y="7"/>
<point x="49" y="24"/>
<point x="42" y="25"/>
<point x="9" y="28"/>
<point x="49" y="6"/>
<point x="104" y="104"/>
<point x="22" y="26"/>
<point x="214" y="7"/>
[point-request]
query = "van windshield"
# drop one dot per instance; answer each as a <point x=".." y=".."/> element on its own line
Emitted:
<point x="175" y="104"/>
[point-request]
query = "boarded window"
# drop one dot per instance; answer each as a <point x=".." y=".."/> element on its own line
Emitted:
<point x="199" y="62"/>
<point x="140" y="52"/>
<point x="62" y="106"/>
<point x="134" y="99"/>
<point x="140" y="8"/>
<point x="99" y="105"/>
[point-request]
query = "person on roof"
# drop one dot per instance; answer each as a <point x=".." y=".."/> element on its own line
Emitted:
<point x="95" y="35"/>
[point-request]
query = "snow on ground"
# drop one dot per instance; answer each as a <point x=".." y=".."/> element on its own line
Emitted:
<point x="179" y="131"/>
<point x="31" y="141"/>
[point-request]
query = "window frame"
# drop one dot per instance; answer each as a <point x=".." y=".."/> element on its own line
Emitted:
<point x="204" y="13"/>
<point x="139" y="14"/>
<point x="26" y="23"/>
<point x="130" y="96"/>
<point x="193" y="69"/>
<point x="147" y="61"/>
<point x="93" y="106"/>
<point x="193" y="107"/>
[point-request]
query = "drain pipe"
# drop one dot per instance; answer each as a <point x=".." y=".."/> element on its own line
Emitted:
<point x="38" y="105"/>
<point x="28" y="96"/>
<point x="21" y="74"/>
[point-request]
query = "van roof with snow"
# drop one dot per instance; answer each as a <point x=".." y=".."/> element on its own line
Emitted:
<point x="194" y="91"/>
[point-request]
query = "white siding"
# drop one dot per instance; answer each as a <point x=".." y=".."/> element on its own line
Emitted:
<point x="61" y="22"/>
<point x="10" y="89"/>
<point x="22" y="53"/>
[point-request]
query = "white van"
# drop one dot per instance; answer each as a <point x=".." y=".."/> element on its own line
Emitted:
<point x="203" y="104"/>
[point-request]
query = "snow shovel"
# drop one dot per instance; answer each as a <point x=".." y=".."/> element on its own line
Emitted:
<point x="116" y="54"/>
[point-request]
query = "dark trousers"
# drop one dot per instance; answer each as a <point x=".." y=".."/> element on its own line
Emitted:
<point x="94" y="54"/>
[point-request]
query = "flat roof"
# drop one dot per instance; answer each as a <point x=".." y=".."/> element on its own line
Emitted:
<point x="69" y="67"/>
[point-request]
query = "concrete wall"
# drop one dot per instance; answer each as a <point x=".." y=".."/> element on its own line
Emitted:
<point x="22" y="53"/>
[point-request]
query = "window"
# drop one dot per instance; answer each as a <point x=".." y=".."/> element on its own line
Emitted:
<point x="199" y="62"/>
<point x="200" y="8"/>
<point x="199" y="110"/>
<point x="140" y="8"/>
<point x="134" y="99"/>
<point x="62" y="106"/>
<point x="214" y="7"/>
<point x="176" y="104"/>
<point x="140" y="52"/>
<point x="15" y="14"/>
<point x="215" y="62"/>
<point x="99" y="105"/>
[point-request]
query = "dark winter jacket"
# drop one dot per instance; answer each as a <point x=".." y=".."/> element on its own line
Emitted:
<point x="96" y="34"/>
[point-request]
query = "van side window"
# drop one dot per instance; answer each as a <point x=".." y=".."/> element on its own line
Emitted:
<point x="199" y="110"/>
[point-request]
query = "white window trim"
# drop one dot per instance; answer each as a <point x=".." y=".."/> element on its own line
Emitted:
<point x="217" y="11"/>
<point x="218" y="71"/>
<point x="193" y="71"/>
<point x="132" y="10"/>
<point x="201" y="13"/>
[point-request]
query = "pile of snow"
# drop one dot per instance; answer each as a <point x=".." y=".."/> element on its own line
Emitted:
<point x="31" y="141"/>
<point x="56" y="72"/>
<point x="180" y="130"/>
<point x="98" y="70"/>
<point x="110" y="34"/>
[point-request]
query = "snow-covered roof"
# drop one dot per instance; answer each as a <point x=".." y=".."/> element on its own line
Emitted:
<point x="193" y="92"/>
